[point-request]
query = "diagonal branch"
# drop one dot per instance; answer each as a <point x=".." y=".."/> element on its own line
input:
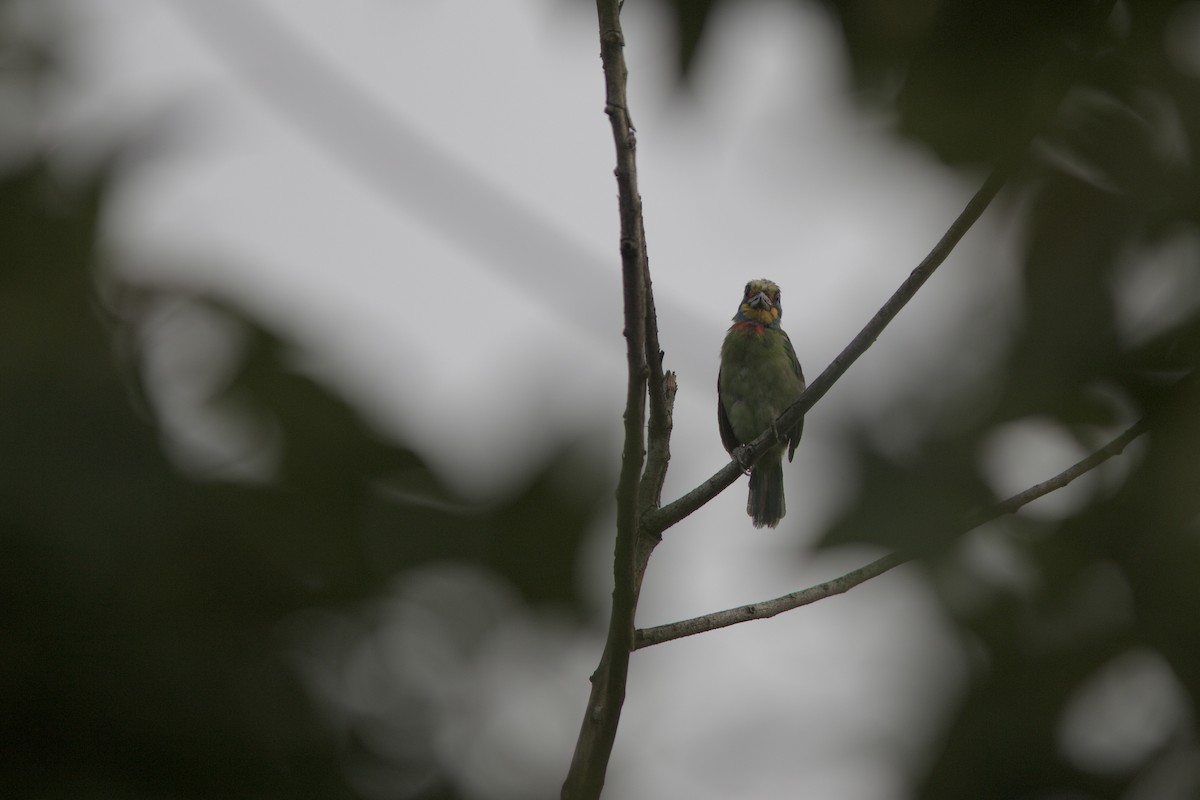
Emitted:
<point x="722" y="619"/>
<point x="677" y="510"/>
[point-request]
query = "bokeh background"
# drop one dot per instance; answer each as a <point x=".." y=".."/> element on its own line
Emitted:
<point x="311" y="379"/>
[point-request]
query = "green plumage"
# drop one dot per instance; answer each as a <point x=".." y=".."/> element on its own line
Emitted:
<point x="760" y="376"/>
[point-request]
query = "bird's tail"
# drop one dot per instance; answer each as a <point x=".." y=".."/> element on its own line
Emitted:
<point x="766" y="506"/>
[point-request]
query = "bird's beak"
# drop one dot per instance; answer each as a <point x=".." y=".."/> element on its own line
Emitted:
<point x="759" y="300"/>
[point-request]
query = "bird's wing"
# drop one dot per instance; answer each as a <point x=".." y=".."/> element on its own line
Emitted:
<point x="727" y="438"/>
<point x="794" y="438"/>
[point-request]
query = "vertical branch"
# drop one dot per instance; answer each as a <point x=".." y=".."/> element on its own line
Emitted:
<point x="585" y="780"/>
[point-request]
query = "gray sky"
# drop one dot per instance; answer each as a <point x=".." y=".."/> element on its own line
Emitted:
<point x="482" y="172"/>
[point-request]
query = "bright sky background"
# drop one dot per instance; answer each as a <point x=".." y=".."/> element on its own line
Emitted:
<point x="452" y="265"/>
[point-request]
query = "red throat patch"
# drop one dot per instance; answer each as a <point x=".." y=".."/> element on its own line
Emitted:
<point x="748" y="327"/>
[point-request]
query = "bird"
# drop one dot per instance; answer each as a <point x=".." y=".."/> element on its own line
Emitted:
<point x="759" y="378"/>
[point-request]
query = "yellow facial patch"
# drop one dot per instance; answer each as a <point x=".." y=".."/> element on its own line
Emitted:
<point x="763" y="316"/>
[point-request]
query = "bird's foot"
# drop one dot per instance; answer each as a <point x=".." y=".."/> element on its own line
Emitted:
<point x="741" y="455"/>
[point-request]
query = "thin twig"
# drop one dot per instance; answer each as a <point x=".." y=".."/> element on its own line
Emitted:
<point x="662" y="389"/>
<point x="769" y="608"/>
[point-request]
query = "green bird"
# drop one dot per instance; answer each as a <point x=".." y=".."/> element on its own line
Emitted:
<point x="760" y="376"/>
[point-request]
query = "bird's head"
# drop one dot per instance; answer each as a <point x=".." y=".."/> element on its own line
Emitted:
<point x="761" y="303"/>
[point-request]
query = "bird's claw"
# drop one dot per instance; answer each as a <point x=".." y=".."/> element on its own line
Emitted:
<point x="741" y="455"/>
